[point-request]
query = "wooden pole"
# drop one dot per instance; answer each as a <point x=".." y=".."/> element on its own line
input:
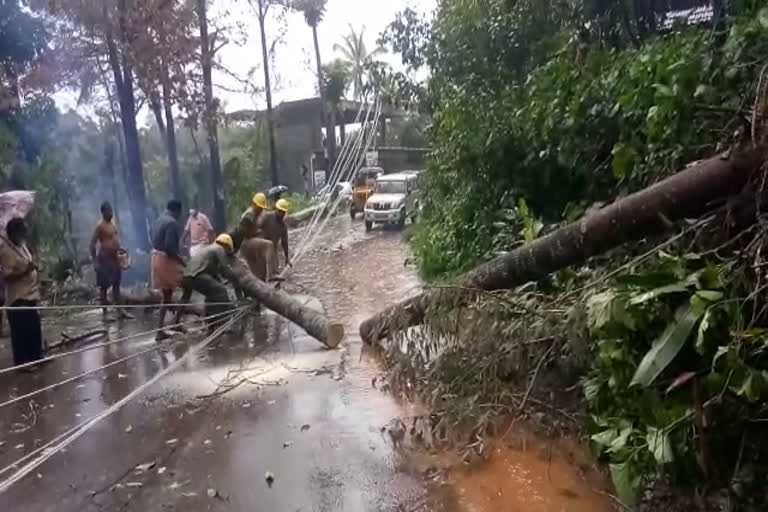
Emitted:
<point x="689" y="193"/>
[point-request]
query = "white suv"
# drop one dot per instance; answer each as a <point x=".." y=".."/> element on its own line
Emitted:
<point x="394" y="200"/>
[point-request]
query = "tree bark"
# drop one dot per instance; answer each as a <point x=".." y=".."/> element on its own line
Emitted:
<point x="330" y="128"/>
<point x="314" y="322"/>
<point x="268" y="86"/>
<point x="111" y="175"/>
<point x="157" y="111"/>
<point x="211" y="125"/>
<point x="689" y="193"/>
<point x="134" y="169"/>
<point x="177" y="188"/>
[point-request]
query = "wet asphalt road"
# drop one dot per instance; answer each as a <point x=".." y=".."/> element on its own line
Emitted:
<point x="281" y="404"/>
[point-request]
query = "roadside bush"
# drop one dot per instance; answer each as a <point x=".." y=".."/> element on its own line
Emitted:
<point x="583" y="127"/>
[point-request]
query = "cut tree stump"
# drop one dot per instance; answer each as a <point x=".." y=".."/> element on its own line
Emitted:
<point x="312" y="321"/>
<point x="687" y="194"/>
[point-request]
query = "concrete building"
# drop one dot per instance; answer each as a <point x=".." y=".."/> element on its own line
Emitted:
<point x="299" y="140"/>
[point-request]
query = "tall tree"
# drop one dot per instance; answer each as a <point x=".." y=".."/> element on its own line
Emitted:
<point x="357" y="57"/>
<point x="169" y="35"/>
<point x="23" y="41"/>
<point x="110" y="31"/>
<point x="121" y="62"/>
<point x="313" y="11"/>
<point x="210" y="114"/>
<point x="336" y="77"/>
<point x="262" y="9"/>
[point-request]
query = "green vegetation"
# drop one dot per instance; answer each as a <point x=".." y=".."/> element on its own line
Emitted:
<point x="541" y="111"/>
<point x="563" y="123"/>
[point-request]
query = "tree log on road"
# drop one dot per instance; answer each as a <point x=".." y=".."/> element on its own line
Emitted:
<point x="314" y="322"/>
<point x="689" y="193"/>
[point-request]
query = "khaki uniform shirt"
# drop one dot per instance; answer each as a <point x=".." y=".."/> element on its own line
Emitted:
<point x="212" y="260"/>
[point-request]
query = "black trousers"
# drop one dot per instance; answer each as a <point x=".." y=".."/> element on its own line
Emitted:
<point x="26" y="332"/>
<point x="212" y="289"/>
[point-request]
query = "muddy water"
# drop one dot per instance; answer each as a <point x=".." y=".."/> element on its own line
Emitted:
<point x="537" y="477"/>
<point x="526" y="475"/>
<point x="304" y="414"/>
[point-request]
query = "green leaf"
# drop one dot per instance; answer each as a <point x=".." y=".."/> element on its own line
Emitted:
<point x="721" y="351"/>
<point x="664" y="90"/>
<point x="750" y="388"/>
<point x="762" y="17"/>
<point x="591" y="389"/>
<point x="667" y="346"/>
<point x="621" y="440"/>
<point x="659" y="445"/>
<point x="523" y="207"/>
<point x="623" y="160"/>
<point x="702" y="90"/>
<point x="710" y="295"/>
<point x="608" y="308"/>
<point x="658" y="292"/>
<point x="703" y="328"/>
<point x="624" y="482"/>
<point x="605" y="438"/>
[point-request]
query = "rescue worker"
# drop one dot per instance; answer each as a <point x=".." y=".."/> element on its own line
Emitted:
<point x="167" y="265"/>
<point x="255" y="250"/>
<point x="248" y="226"/>
<point x="105" y="251"/>
<point x="22" y="294"/>
<point x="204" y="273"/>
<point x="272" y="227"/>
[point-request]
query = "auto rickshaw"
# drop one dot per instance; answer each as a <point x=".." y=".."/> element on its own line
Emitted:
<point x="362" y="188"/>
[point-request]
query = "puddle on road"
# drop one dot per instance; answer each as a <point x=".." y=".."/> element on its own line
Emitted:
<point x="529" y="475"/>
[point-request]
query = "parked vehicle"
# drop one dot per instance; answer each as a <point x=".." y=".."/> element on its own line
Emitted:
<point x="363" y="187"/>
<point x="343" y="189"/>
<point x="395" y="200"/>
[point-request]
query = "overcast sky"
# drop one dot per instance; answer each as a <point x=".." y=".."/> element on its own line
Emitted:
<point x="294" y="60"/>
<point x="293" y="75"/>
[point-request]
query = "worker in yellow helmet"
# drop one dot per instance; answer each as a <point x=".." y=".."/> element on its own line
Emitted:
<point x="254" y="250"/>
<point x="204" y="273"/>
<point x="249" y="220"/>
<point x="271" y="226"/>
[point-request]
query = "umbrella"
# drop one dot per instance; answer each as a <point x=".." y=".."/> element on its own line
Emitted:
<point x="17" y="203"/>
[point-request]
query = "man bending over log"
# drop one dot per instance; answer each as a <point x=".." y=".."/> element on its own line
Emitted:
<point x="203" y="274"/>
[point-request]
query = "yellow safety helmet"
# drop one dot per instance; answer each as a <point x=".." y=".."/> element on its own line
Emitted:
<point x="283" y="205"/>
<point x="225" y="240"/>
<point x="260" y="200"/>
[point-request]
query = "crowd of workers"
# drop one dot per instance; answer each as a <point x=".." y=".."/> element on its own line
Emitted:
<point x="260" y="232"/>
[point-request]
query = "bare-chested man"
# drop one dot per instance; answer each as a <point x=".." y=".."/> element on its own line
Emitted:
<point x="105" y="248"/>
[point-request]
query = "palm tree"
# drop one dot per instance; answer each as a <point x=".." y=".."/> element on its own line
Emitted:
<point x="355" y="53"/>
<point x="313" y="11"/>
<point x="336" y="76"/>
<point x="261" y="8"/>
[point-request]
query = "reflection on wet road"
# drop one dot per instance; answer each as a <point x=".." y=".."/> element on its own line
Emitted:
<point x="266" y="399"/>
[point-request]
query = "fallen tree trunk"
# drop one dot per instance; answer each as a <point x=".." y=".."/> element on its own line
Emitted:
<point x="81" y="292"/>
<point x="689" y="193"/>
<point x="314" y="322"/>
<point x="297" y="219"/>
